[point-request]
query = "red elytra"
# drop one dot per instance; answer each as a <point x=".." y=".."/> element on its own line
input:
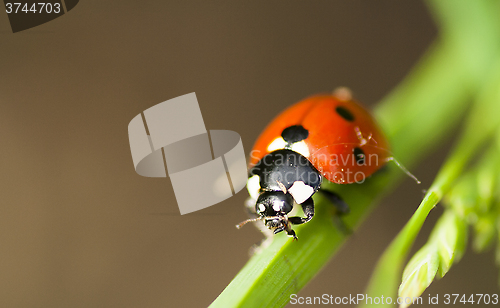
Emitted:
<point x="344" y="142"/>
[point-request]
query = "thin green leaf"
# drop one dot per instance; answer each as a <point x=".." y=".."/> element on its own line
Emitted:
<point x="445" y="246"/>
<point x="450" y="238"/>
<point x="419" y="273"/>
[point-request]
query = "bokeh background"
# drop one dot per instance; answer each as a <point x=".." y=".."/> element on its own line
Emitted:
<point x="78" y="226"/>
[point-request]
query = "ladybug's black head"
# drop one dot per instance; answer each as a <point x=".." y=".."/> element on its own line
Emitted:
<point x="273" y="203"/>
<point x="273" y="206"/>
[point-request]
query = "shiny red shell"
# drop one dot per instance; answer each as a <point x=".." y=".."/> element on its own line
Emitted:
<point x="337" y="140"/>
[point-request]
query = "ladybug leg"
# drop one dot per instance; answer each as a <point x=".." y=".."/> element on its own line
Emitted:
<point x="340" y="205"/>
<point x="278" y="230"/>
<point x="292" y="234"/>
<point x="341" y="225"/>
<point x="288" y="230"/>
<point x="342" y="209"/>
<point x="308" y="208"/>
<point x="283" y="225"/>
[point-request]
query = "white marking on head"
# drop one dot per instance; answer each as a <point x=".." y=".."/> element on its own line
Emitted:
<point x="277" y="206"/>
<point x="253" y="186"/>
<point x="300" y="191"/>
<point x="277" y="144"/>
<point x="262" y="208"/>
<point x="301" y="148"/>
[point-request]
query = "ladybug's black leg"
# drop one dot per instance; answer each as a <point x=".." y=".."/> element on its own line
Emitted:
<point x="342" y="209"/>
<point x="288" y="230"/>
<point x="308" y="208"/>
<point x="292" y="234"/>
<point x="278" y="230"/>
<point x="340" y="205"/>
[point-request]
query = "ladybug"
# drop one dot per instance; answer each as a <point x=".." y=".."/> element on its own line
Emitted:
<point x="327" y="136"/>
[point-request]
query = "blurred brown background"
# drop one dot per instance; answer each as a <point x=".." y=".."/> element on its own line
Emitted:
<point x="78" y="226"/>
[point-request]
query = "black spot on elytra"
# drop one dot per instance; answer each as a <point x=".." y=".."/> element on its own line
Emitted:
<point x="294" y="134"/>
<point x="359" y="155"/>
<point x="345" y="113"/>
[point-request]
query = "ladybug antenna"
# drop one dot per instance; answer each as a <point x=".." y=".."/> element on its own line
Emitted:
<point x="241" y="224"/>
<point x="408" y="173"/>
